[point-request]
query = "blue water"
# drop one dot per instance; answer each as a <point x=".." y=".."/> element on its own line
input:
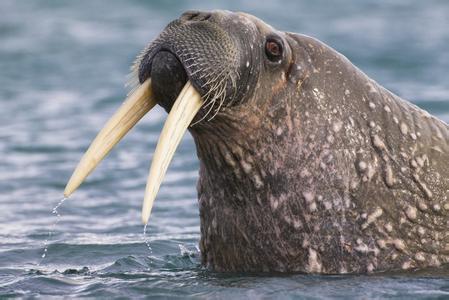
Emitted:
<point x="63" y="66"/>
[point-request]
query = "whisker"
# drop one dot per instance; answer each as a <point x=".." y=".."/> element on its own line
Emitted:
<point x="214" y="78"/>
<point x="221" y="103"/>
<point x="207" y="113"/>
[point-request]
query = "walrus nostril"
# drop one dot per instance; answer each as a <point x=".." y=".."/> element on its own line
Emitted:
<point x="205" y="17"/>
<point x="189" y="15"/>
<point x="195" y="16"/>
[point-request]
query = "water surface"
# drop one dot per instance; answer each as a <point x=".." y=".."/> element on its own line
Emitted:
<point x="63" y="66"/>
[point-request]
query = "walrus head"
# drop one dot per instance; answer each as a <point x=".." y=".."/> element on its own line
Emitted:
<point x="300" y="152"/>
<point x="218" y="58"/>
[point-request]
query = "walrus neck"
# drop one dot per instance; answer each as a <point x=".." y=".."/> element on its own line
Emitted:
<point x="238" y="177"/>
<point x="226" y="149"/>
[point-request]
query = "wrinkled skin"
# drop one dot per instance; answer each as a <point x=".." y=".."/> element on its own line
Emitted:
<point x="309" y="165"/>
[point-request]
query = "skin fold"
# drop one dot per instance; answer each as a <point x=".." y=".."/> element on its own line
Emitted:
<point x="306" y="164"/>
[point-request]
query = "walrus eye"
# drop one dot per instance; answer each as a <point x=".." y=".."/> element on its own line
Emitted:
<point x="273" y="49"/>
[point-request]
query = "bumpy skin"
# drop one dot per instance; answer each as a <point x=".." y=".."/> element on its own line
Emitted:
<point x="319" y="169"/>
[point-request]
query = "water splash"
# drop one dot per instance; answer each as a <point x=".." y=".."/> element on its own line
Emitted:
<point x="185" y="252"/>
<point x="147" y="241"/>
<point x="53" y="227"/>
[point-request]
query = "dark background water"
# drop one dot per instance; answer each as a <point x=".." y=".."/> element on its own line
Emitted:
<point x="63" y="65"/>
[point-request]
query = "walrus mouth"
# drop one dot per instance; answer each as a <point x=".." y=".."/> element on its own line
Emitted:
<point x="209" y="62"/>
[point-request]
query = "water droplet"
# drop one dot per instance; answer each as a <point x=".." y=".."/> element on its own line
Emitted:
<point x="55" y="212"/>
<point x="147" y="241"/>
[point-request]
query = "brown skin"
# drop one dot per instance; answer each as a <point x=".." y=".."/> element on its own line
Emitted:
<point x="315" y="168"/>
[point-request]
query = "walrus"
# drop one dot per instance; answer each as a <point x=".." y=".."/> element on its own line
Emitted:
<point x="306" y="164"/>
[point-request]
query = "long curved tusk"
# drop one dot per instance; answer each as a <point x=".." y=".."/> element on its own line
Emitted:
<point x="132" y="110"/>
<point x="181" y="115"/>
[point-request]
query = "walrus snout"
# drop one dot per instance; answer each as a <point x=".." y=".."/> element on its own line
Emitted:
<point x="212" y="50"/>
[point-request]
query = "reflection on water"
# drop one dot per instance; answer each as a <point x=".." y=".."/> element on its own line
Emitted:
<point x="63" y="66"/>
